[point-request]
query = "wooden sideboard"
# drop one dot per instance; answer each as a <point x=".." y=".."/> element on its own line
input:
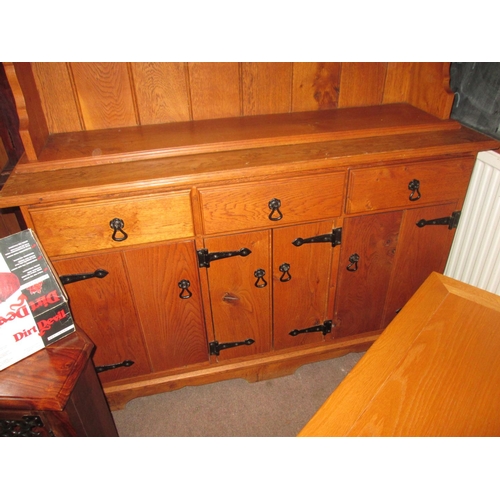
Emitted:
<point x="239" y="246"/>
<point x="55" y="392"/>
<point x="433" y="372"/>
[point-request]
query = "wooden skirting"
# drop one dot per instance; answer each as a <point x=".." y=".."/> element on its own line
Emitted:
<point x="254" y="370"/>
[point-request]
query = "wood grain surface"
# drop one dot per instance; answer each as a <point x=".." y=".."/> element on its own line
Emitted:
<point x="44" y="380"/>
<point x="173" y="327"/>
<point x="434" y="371"/>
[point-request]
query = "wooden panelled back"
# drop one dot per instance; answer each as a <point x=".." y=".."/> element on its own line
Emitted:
<point x="90" y="96"/>
<point x="53" y="98"/>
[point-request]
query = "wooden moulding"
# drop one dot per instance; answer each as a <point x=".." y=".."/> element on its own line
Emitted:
<point x="257" y="368"/>
<point x="41" y="186"/>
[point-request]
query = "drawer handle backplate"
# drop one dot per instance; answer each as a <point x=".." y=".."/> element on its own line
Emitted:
<point x="117" y="225"/>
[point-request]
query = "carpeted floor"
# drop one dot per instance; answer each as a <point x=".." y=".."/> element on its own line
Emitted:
<point x="237" y="408"/>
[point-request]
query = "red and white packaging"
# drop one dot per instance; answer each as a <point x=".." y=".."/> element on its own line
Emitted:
<point x="34" y="310"/>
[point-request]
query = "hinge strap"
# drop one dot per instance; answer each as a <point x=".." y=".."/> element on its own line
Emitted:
<point x="451" y="222"/>
<point x="325" y="328"/>
<point x="105" y="368"/>
<point x="335" y="238"/>
<point x="215" y="347"/>
<point x="72" y="278"/>
<point x="204" y="257"/>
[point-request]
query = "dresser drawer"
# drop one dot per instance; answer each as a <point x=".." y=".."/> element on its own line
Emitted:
<point x="408" y="185"/>
<point x="272" y="203"/>
<point x="84" y="227"/>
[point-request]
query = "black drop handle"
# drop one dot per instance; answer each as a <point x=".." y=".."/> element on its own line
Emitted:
<point x="353" y="266"/>
<point x="261" y="282"/>
<point x="414" y="187"/>
<point x="185" y="291"/>
<point x="117" y="225"/>
<point x="275" y="205"/>
<point x="285" y="269"/>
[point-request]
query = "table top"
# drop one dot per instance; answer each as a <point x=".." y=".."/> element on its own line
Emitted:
<point x="45" y="380"/>
<point x="434" y="371"/>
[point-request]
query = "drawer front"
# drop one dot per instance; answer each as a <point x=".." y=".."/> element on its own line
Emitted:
<point x="272" y="203"/>
<point x="380" y="188"/>
<point x="84" y="227"/>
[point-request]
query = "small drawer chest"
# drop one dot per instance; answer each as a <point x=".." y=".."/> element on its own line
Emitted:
<point x="55" y="392"/>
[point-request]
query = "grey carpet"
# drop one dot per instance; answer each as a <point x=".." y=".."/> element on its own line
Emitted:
<point x="237" y="408"/>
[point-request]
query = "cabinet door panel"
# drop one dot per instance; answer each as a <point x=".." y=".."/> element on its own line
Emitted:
<point x="421" y="250"/>
<point x="302" y="301"/>
<point x="173" y="327"/>
<point x="240" y="309"/>
<point x="361" y="293"/>
<point x="104" y="309"/>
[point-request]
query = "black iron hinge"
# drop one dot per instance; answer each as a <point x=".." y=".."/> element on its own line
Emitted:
<point x="325" y="328"/>
<point x="215" y="347"/>
<point x="72" y="278"/>
<point x="105" y="368"/>
<point x="204" y="257"/>
<point x="451" y="222"/>
<point x="335" y="238"/>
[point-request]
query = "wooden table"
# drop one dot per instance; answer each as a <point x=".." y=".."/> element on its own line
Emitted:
<point x="55" y="392"/>
<point x="434" y="371"/>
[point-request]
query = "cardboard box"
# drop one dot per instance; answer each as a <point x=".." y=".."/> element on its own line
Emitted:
<point x="34" y="310"/>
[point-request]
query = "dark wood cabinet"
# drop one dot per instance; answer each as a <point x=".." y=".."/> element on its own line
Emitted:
<point x="55" y="392"/>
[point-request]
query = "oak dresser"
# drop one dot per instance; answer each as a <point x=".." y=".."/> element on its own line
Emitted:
<point x="239" y="241"/>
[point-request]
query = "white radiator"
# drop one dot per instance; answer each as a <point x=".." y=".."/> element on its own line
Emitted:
<point x="475" y="253"/>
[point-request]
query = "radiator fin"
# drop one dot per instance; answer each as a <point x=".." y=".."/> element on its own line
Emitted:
<point x="475" y="253"/>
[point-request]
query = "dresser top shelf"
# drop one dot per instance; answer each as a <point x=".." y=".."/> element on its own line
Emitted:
<point x="229" y="134"/>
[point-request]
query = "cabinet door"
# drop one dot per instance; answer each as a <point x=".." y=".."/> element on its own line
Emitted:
<point x="363" y="284"/>
<point x="240" y="301"/>
<point x="301" y="294"/>
<point x="421" y="250"/>
<point x="171" y="316"/>
<point x="104" y="309"/>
